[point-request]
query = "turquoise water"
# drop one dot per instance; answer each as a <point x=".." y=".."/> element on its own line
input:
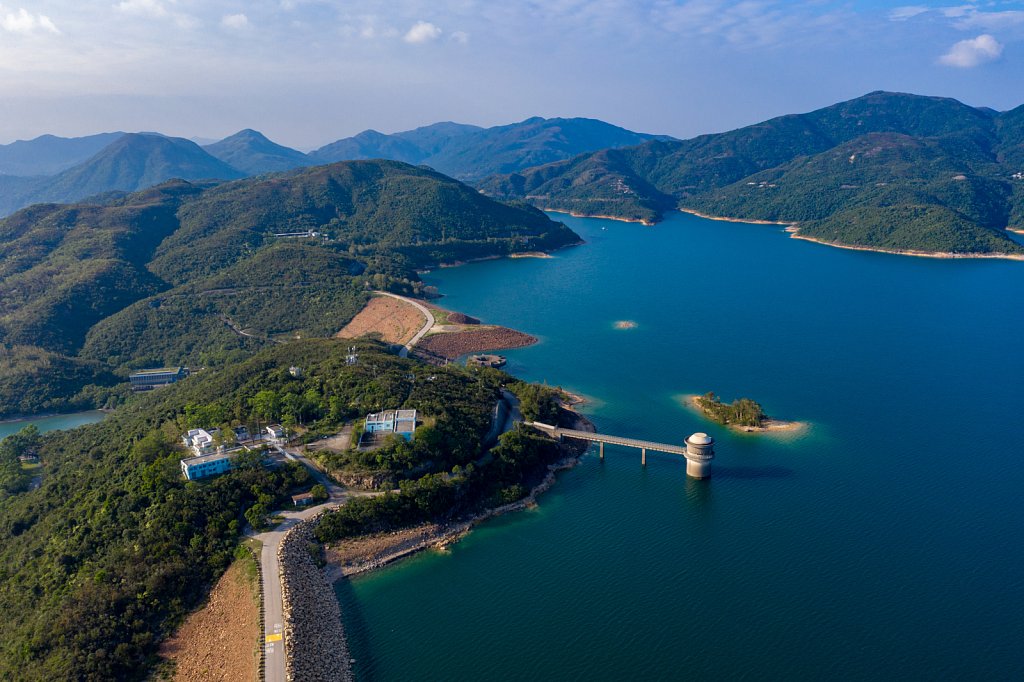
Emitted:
<point x="52" y="423"/>
<point x="886" y="540"/>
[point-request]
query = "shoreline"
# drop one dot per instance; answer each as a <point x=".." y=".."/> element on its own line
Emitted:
<point x="725" y="219"/>
<point x="518" y="254"/>
<point x="944" y="255"/>
<point x="794" y="230"/>
<point x="640" y="221"/>
<point x="440" y="537"/>
<point x="769" y="425"/>
<point x="47" y="415"/>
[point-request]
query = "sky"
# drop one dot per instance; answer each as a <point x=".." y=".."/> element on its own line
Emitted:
<point x="307" y="72"/>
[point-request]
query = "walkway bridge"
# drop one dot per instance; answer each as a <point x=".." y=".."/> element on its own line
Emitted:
<point x="697" y="452"/>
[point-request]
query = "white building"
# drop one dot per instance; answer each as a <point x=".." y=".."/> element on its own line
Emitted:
<point x="200" y="441"/>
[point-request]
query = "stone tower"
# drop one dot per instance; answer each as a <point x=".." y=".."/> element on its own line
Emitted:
<point x="700" y="450"/>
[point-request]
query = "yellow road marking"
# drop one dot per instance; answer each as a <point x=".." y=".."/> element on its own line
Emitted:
<point x="276" y="637"/>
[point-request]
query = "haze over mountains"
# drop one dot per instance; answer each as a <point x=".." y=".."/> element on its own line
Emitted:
<point x="52" y="169"/>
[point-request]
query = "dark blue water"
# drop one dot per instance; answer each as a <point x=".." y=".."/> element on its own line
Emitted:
<point x="886" y="540"/>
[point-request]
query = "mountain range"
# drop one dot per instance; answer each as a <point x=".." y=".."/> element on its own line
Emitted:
<point x="891" y="171"/>
<point x="200" y="274"/>
<point x="53" y="169"/>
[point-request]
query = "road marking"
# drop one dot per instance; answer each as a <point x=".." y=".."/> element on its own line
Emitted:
<point x="276" y="637"/>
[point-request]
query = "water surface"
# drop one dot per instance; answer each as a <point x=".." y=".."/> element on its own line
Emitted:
<point x="884" y="541"/>
<point x="53" y="422"/>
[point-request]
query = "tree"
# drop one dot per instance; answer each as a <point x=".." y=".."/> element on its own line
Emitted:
<point x="267" y="404"/>
<point x="319" y="492"/>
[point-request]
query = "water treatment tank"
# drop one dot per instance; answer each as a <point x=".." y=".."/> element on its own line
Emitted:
<point x="700" y="450"/>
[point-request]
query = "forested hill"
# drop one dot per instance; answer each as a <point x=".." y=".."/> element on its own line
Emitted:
<point x="130" y="163"/>
<point x="193" y="274"/>
<point x="471" y="153"/>
<point x="887" y="170"/>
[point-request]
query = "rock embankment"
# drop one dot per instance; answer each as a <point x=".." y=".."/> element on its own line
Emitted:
<point x="455" y="344"/>
<point x="314" y="636"/>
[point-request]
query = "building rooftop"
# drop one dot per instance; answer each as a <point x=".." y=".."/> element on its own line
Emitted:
<point x="405" y="414"/>
<point x="385" y="416"/>
<point x="203" y="459"/>
<point x="700" y="439"/>
<point x="158" y="370"/>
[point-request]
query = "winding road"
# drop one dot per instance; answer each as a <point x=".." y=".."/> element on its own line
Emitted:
<point x="404" y="353"/>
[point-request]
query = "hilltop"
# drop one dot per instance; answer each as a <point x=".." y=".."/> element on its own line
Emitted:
<point x="130" y="163"/>
<point x="471" y="153"/>
<point x="192" y="273"/>
<point x="887" y="170"/>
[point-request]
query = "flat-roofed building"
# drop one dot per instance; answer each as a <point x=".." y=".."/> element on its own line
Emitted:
<point x="148" y="379"/>
<point x="207" y="465"/>
<point x="276" y="433"/>
<point x="303" y="499"/>
<point x="402" y="422"/>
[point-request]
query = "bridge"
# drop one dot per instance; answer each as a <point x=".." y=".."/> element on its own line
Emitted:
<point x="698" y="450"/>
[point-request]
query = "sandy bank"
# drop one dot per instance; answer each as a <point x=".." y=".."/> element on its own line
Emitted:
<point x="768" y="426"/>
<point x="909" y="252"/>
<point x="531" y="254"/>
<point x="620" y="219"/>
<point x="724" y="219"/>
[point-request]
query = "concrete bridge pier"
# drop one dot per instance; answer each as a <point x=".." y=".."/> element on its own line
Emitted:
<point x="700" y="450"/>
<point x="600" y="450"/>
<point x="643" y="457"/>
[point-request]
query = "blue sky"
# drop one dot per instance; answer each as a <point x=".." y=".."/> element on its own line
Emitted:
<point x="307" y="72"/>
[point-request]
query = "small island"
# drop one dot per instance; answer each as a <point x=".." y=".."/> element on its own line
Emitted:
<point x="742" y="415"/>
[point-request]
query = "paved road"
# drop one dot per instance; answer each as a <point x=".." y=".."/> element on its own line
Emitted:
<point x="273" y="603"/>
<point x="422" y="332"/>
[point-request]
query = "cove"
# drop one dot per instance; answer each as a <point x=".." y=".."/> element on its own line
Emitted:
<point x="883" y="541"/>
<point x="53" y="422"/>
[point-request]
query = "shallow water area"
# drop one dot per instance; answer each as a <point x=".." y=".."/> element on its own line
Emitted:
<point x="883" y="540"/>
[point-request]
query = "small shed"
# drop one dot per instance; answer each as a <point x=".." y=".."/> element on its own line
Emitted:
<point x="303" y="499"/>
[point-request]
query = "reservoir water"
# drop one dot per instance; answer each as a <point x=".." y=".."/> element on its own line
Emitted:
<point x="53" y="422"/>
<point x="885" y="540"/>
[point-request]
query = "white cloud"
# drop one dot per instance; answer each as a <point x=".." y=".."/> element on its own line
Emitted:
<point x="24" y="22"/>
<point x="991" y="21"/>
<point x="973" y="52"/>
<point x="460" y="37"/>
<point x="907" y="12"/>
<point x="422" y="32"/>
<point x="234" y="21"/>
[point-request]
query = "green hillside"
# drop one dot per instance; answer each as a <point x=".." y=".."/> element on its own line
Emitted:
<point x="471" y="153"/>
<point x="106" y="558"/>
<point x="130" y="163"/>
<point x="873" y="154"/>
<point x="192" y="274"/>
<point x="252" y="153"/>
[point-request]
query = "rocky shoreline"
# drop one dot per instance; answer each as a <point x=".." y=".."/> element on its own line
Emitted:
<point x="452" y="345"/>
<point x="391" y="547"/>
<point x="316" y="646"/>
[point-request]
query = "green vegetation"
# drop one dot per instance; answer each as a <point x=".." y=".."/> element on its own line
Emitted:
<point x="471" y="153"/>
<point x="537" y="402"/>
<point x="847" y="173"/>
<point x="113" y="550"/>
<point x="189" y="274"/>
<point x="742" y="412"/>
<point x="14" y="478"/>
